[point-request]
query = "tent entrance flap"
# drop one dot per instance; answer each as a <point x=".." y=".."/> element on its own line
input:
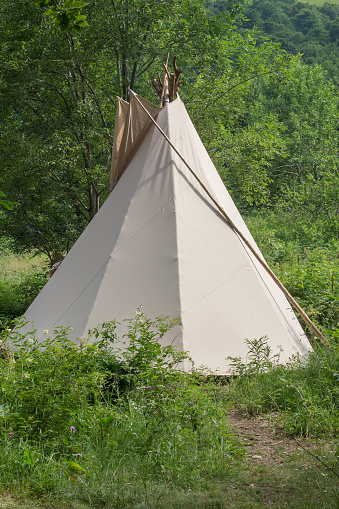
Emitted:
<point x="131" y="126"/>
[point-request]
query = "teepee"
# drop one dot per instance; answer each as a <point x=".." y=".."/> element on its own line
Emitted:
<point x="160" y="242"/>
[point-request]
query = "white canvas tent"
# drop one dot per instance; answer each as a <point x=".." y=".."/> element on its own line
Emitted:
<point x="160" y="242"/>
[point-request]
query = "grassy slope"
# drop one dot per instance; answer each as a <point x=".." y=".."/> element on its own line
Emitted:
<point x="21" y="278"/>
<point x="320" y="2"/>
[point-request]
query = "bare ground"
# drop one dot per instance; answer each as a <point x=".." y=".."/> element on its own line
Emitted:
<point x="261" y="438"/>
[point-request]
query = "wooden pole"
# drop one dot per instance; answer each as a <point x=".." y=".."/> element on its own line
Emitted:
<point x="262" y="262"/>
<point x="168" y="88"/>
<point x="165" y="94"/>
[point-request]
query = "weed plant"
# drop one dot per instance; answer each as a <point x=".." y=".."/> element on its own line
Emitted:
<point x="303" y="396"/>
<point x="109" y="423"/>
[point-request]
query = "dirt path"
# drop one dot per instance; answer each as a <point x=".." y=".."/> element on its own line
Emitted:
<point x="279" y="472"/>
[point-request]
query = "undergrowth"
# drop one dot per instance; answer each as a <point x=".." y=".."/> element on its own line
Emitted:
<point x="307" y="266"/>
<point x="107" y="425"/>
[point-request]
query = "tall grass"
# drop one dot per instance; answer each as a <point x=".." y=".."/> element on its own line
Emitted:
<point x="309" y="271"/>
<point x="302" y="397"/>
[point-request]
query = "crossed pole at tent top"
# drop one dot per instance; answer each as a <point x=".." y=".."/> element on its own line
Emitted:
<point x="262" y="262"/>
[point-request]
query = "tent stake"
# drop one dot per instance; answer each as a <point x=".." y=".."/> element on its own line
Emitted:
<point x="287" y="294"/>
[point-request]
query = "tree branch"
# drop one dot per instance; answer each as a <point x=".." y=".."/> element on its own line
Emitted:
<point x="237" y="85"/>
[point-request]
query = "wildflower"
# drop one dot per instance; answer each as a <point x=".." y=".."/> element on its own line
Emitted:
<point x="149" y="387"/>
<point x="78" y="455"/>
<point x="10" y="434"/>
<point x="72" y="428"/>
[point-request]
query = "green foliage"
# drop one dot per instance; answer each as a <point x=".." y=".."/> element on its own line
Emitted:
<point x="67" y="428"/>
<point x="65" y="14"/>
<point x="248" y="157"/>
<point x="142" y="356"/>
<point x="300" y="27"/>
<point x="303" y="396"/>
<point x="297" y="117"/>
<point x="40" y="388"/>
<point x="59" y="93"/>
<point x="259" y="358"/>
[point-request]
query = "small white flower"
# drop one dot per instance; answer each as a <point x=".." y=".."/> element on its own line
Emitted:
<point x="45" y="331"/>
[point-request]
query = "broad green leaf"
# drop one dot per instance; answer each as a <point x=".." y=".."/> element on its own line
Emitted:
<point x="75" y="467"/>
<point x="32" y="457"/>
<point x="49" y="12"/>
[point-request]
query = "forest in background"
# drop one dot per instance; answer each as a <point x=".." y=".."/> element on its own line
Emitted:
<point x="268" y="119"/>
<point x="300" y="27"/>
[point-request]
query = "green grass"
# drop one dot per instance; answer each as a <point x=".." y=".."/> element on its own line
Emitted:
<point x="302" y="397"/>
<point x="107" y="428"/>
<point x="307" y="268"/>
<point x="90" y="426"/>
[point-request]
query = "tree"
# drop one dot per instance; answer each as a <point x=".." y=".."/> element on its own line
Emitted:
<point x="59" y="90"/>
<point x="241" y="141"/>
<point x="285" y="156"/>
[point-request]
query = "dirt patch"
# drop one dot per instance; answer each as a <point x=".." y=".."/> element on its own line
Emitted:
<point x="262" y="441"/>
